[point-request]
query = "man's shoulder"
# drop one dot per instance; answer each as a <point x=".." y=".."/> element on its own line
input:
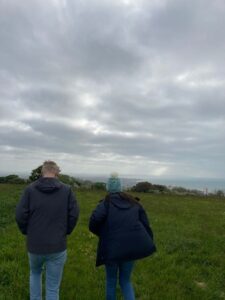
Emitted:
<point x="65" y="186"/>
<point x="31" y="186"/>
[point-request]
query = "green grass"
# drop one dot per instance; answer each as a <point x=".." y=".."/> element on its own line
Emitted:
<point x="189" y="264"/>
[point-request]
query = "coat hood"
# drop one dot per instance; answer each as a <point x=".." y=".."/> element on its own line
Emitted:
<point x="120" y="202"/>
<point x="47" y="184"/>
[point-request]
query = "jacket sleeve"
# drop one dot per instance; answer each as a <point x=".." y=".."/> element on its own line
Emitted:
<point x="22" y="212"/>
<point x="97" y="218"/>
<point x="144" y="220"/>
<point x="73" y="212"/>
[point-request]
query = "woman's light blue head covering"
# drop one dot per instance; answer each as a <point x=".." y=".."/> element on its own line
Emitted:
<point x="114" y="185"/>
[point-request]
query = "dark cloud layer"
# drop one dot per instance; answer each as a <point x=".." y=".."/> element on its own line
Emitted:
<point x="132" y="86"/>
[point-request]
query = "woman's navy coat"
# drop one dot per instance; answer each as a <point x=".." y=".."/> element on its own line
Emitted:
<point x="123" y="230"/>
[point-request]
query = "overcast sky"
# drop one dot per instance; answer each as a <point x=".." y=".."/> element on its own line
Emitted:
<point x="131" y="86"/>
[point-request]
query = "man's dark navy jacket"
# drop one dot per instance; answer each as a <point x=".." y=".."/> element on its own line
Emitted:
<point x="47" y="213"/>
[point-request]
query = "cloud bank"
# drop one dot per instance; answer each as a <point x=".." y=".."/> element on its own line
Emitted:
<point x="132" y="86"/>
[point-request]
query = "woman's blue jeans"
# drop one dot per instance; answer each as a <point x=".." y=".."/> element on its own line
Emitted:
<point x="124" y="269"/>
<point x="54" y="264"/>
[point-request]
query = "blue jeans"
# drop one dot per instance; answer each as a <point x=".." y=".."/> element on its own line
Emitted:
<point x="54" y="264"/>
<point x="125" y="269"/>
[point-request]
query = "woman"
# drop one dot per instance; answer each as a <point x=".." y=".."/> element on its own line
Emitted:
<point x="124" y="234"/>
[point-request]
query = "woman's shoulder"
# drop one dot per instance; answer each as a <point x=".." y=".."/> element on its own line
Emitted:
<point x="103" y="204"/>
<point x="133" y="199"/>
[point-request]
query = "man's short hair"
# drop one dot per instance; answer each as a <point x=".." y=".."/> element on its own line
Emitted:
<point x="50" y="166"/>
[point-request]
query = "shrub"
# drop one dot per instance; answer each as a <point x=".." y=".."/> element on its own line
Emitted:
<point x="99" y="186"/>
<point x="143" y="187"/>
<point x="69" y="180"/>
<point x="35" y="174"/>
<point x="12" y="178"/>
<point x="220" y="193"/>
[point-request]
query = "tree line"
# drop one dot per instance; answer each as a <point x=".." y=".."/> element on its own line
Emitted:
<point x="140" y="187"/>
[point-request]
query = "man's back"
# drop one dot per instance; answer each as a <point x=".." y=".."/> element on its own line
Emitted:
<point x="46" y="213"/>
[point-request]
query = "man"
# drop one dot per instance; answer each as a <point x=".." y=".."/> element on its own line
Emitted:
<point x="46" y="214"/>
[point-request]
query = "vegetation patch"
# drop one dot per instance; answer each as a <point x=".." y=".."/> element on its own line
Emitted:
<point x="189" y="263"/>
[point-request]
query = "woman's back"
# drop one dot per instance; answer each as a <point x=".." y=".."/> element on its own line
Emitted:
<point x="122" y="213"/>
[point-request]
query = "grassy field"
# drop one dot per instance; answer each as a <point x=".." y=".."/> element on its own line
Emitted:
<point x="189" y="264"/>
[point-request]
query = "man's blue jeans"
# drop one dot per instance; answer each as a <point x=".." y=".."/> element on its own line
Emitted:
<point x="125" y="269"/>
<point x="54" y="264"/>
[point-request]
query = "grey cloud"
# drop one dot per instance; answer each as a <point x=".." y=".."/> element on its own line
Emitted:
<point x="190" y="30"/>
<point x="151" y="75"/>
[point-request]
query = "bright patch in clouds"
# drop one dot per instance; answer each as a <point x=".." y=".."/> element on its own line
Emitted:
<point x="160" y="171"/>
<point x="88" y="100"/>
